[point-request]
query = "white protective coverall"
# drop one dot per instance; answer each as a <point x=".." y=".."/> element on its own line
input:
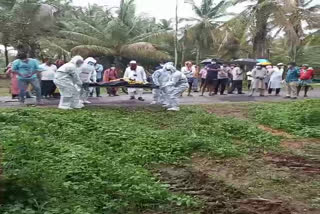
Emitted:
<point x="138" y="75"/>
<point x="160" y="78"/>
<point x="87" y="73"/>
<point x="69" y="84"/>
<point x="176" y="85"/>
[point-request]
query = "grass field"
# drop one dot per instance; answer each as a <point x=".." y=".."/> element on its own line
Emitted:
<point x="4" y="87"/>
<point x="204" y="159"/>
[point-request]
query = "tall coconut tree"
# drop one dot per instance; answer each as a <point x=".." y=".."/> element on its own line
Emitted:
<point x="264" y="17"/>
<point x="123" y="35"/>
<point x="208" y="17"/>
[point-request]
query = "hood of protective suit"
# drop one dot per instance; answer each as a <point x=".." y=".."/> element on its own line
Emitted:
<point x="75" y="59"/>
<point x="170" y="67"/>
<point x="90" y="59"/>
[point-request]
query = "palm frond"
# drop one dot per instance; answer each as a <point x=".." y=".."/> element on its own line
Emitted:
<point x="142" y="50"/>
<point x="52" y="46"/>
<point x="92" y="50"/>
<point x="80" y="37"/>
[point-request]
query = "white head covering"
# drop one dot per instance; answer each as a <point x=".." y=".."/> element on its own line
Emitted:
<point x="90" y="59"/>
<point x="75" y="59"/>
<point x="133" y="62"/>
<point x="169" y="67"/>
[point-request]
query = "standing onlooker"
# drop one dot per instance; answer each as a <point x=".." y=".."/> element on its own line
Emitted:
<point x="111" y="74"/>
<point x="249" y="79"/>
<point x="212" y="78"/>
<point x="292" y="80"/>
<point x="222" y="79"/>
<point x="14" y="89"/>
<point x="27" y="70"/>
<point x="59" y="63"/>
<point x="99" y="70"/>
<point x="306" y="76"/>
<point x="187" y="70"/>
<point x="259" y="74"/>
<point x="203" y="75"/>
<point x="269" y="73"/>
<point x="47" y="76"/>
<point x="237" y="73"/>
<point x="275" y="80"/>
<point x="196" y="75"/>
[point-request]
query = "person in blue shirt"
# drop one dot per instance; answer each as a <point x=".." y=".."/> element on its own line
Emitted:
<point x="292" y="80"/>
<point x="99" y="70"/>
<point x="27" y="70"/>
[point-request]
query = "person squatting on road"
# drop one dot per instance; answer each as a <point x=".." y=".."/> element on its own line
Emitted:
<point x="87" y="72"/>
<point x="174" y="88"/>
<point x="69" y="84"/>
<point x="160" y="77"/>
<point x="137" y="73"/>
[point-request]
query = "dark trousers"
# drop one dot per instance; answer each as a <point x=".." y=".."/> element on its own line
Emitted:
<point x="222" y="83"/>
<point x="236" y="84"/>
<point x="271" y="89"/>
<point x="97" y="89"/>
<point x="249" y="84"/>
<point x="47" y="88"/>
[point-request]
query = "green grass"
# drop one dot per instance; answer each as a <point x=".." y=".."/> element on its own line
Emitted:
<point x="299" y="118"/>
<point x="4" y="87"/>
<point x="97" y="160"/>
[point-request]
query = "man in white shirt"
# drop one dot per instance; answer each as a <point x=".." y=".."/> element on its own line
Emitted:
<point x="137" y="73"/>
<point x="188" y="71"/>
<point x="47" y="76"/>
<point x="237" y="73"/>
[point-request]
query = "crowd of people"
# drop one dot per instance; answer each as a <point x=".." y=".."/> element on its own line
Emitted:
<point x="73" y="80"/>
<point x="222" y="78"/>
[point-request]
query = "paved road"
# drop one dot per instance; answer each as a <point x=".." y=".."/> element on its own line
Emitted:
<point x="123" y="100"/>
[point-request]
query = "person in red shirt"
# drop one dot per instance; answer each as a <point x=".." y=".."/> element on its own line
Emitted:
<point x="306" y="76"/>
<point x="111" y="74"/>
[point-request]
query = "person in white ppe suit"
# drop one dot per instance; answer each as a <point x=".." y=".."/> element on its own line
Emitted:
<point x="137" y="73"/>
<point x="160" y="78"/>
<point x="87" y="74"/>
<point x="174" y="88"/>
<point x="69" y="84"/>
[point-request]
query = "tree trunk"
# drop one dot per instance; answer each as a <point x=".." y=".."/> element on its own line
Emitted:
<point x="6" y="55"/>
<point x="176" y="37"/>
<point x="260" y="38"/>
<point x="183" y="51"/>
<point x="198" y="54"/>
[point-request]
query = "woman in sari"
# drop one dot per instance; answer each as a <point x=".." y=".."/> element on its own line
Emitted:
<point x="14" y="89"/>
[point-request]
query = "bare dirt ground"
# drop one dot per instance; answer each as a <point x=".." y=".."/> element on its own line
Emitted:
<point x="280" y="182"/>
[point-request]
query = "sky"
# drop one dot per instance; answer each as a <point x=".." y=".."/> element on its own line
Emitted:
<point x="161" y="9"/>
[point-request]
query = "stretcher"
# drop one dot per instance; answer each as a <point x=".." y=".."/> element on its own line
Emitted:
<point x="123" y="84"/>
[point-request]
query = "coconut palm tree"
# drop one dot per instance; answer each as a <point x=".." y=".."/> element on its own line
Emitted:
<point x="207" y="19"/>
<point x="124" y="35"/>
<point x="265" y="16"/>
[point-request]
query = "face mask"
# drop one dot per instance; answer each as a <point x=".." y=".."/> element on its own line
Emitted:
<point x="133" y="67"/>
<point x="79" y="63"/>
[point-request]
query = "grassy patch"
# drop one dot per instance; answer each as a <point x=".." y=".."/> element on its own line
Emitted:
<point x="4" y="87"/>
<point x="95" y="161"/>
<point x="301" y="118"/>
